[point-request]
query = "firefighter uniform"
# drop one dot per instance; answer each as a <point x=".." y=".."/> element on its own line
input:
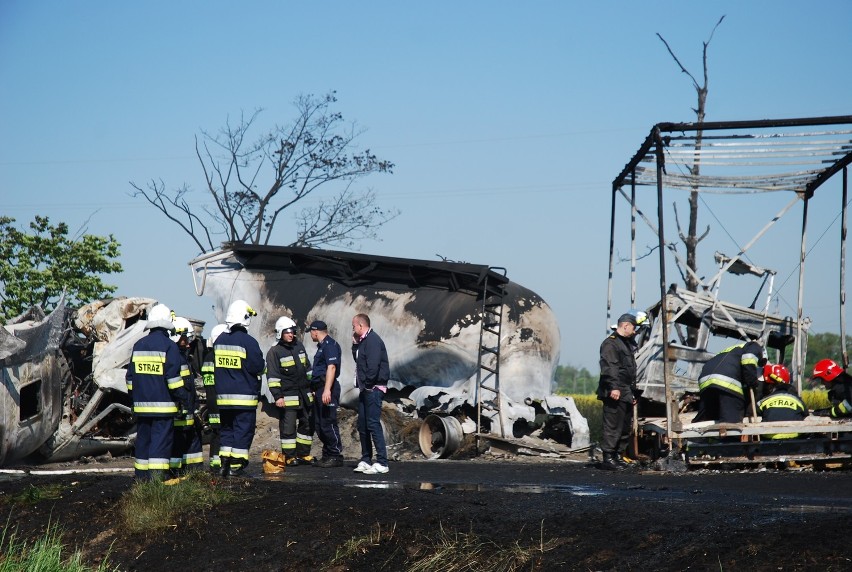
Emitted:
<point x="238" y="365"/>
<point x="726" y="380"/>
<point x="328" y="354"/>
<point x="156" y="388"/>
<point x="287" y="376"/>
<point x="207" y="376"/>
<point x="782" y="405"/>
<point x="840" y="396"/>
<point x="186" y="449"/>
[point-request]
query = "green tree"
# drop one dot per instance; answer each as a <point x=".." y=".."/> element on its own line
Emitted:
<point x="36" y="266"/>
<point x="574" y="381"/>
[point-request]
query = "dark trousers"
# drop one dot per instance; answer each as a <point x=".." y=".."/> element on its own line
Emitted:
<point x="186" y="450"/>
<point x="326" y="423"/>
<point x="296" y="429"/>
<point x="617" y="423"/>
<point x="214" y="424"/>
<point x="154" y="437"/>
<point x="370" y="426"/>
<point x="720" y="405"/>
<point x="237" y="433"/>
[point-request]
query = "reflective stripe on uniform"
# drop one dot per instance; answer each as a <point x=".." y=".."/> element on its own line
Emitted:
<point x="721" y="381"/>
<point x="238" y="454"/>
<point x="155" y="407"/>
<point x="158" y="464"/>
<point x="230" y="357"/>
<point x="784" y="401"/>
<point x="236" y="399"/>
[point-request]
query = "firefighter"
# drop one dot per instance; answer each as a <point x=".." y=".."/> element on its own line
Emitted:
<point x="238" y="365"/>
<point x="207" y="376"/>
<point x="782" y="403"/>
<point x="287" y="375"/>
<point x="727" y="380"/>
<point x="157" y="392"/>
<point x="839" y="385"/>
<point x="186" y="449"/>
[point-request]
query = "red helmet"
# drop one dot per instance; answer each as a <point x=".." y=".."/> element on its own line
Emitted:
<point x="776" y="373"/>
<point x="827" y="370"/>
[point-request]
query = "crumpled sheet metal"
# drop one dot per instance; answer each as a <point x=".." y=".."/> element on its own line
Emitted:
<point x="104" y="321"/>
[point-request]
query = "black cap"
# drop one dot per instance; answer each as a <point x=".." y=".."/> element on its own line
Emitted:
<point x="318" y="325"/>
<point x="627" y="318"/>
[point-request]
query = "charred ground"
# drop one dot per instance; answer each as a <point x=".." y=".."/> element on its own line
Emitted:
<point x="565" y="514"/>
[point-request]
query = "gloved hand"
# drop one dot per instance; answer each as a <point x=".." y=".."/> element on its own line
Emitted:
<point x="822" y="412"/>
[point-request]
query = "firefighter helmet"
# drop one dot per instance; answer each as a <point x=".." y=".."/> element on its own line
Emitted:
<point x="160" y="316"/>
<point x="827" y="370"/>
<point x="641" y="318"/>
<point x="182" y="328"/>
<point x="239" y="312"/>
<point x="776" y="373"/>
<point x="217" y="330"/>
<point x="284" y="324"/>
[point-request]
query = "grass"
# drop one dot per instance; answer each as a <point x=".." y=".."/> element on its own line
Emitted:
<point x="152" y="506"/>
<point x="45" y="554"/>
<point x="33" y="494"/>
<point x="449" y="551"/>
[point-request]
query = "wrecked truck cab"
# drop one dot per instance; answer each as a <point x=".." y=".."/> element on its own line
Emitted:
<point x="64" y="394"/>
<point x="34" y="373"/>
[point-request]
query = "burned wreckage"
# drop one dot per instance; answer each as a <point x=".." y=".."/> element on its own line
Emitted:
<point x="688" y="327"/>
<point x="64" y="394"/>
<point x="470" y="351"/>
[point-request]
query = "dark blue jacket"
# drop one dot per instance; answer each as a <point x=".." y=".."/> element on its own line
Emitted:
<point x="734" y="370"/>
<point x="328" y="353"/>
<point x="153" y="376"/>
<point x="372" y="367"/>
<point x="238" y="365"/>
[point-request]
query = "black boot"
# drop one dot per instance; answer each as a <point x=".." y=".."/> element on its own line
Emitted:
<point x="226" y="467"/>
<point x="609" y="463"/>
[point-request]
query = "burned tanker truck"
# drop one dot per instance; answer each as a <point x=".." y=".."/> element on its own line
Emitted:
<point x="470" y="351"/>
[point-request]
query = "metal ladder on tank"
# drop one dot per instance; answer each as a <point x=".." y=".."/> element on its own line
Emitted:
<point x="488" y="367"/>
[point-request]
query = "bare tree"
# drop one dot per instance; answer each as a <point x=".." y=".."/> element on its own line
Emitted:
<point x="691" y="238"/>
<point x="252" y="184"/>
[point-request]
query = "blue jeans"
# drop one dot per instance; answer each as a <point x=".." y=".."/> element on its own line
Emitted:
<point x="370" y="426"/>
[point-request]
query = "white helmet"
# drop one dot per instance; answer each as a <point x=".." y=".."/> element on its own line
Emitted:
<point x="284" y="323"/>
<point x="160" y="316"/>
<point x="239" y="312"/>
<point x="217" y="330"/>
<point x="182" y="328"/>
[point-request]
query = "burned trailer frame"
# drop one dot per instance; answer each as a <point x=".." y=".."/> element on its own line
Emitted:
<point x="462" y="338"/>
<point x="731" y="157"/>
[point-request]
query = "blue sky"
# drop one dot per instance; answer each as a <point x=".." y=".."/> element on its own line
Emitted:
<point x="507" y="121"/>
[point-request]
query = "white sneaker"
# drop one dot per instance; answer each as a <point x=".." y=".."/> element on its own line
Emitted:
<point x="376" y="469"/>
<point x="362" y="467"/>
